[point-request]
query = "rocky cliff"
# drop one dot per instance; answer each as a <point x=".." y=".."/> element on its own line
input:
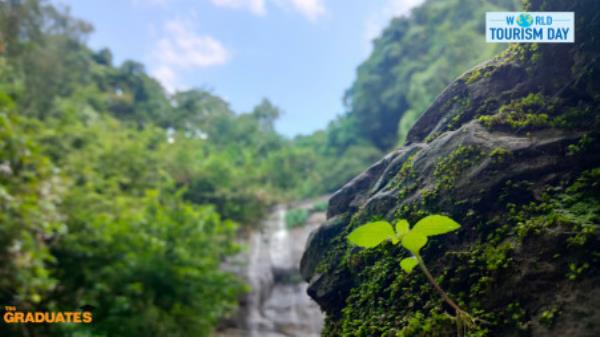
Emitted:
<point x="511" y="150"/>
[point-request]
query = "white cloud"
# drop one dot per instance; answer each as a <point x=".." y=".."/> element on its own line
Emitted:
<point x="180" y="48"/>
<point x="378" y="20"/>
<point x="312" y="9"/>
<point x="257" y="7"/>
<point x="150" y="3"/>
<point x="184" y="48"/>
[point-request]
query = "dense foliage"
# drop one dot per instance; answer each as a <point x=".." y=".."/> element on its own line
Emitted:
<point x="414" y="59"/>
<point x="117" y="195"/>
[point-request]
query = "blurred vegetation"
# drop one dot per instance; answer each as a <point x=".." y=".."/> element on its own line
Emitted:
<point x="319" y="207"/>
<point x="296" y="217"/>
<point x="117" y="195"/>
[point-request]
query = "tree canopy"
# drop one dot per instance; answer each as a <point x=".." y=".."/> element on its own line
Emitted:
<point x="412" y="61"/>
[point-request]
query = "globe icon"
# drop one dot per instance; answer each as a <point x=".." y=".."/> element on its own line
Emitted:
<point x="525" y="20"/>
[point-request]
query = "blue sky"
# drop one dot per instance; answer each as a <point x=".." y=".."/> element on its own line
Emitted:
<point x="301" y="54"/>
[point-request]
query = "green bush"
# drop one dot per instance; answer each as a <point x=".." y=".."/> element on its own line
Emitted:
<point x="296" y="217"/>
<point x="319" y="207"/>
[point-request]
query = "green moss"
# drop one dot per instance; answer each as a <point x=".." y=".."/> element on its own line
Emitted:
<point x="575" y="270"/>
<point x="516" y="121"/>
<point x="526" y="53"/>
<point x="537" y="111"/>
<point x="454" y="121"/>
<point x="582" y="116"/>
<point x="450" y="168"/>
<point x="388" y="302"/>
<point x="411" y="212"/>
<point x="516" y="316"/>
<point x="382" y="292"/>
<point x="464" y="103"/>
<point x="499" y="154"/>
<point x="473" y="76"/>
<point x="581" y="146"/>
<point x="406" y="179"/>
<point x="432" y="136"/>
<point x="549" y="316"/>
<point x="338" y="256"/>
<point x="433" y="324"/>
<point x="497" y="257"/>
<point x="527" y="113"/>
<point x="407" y="170"/>
<point x="573" y="212"/>
<point x="455" y="106"/>
<point x="479" y="73"/>
<point x="531" y="100"/>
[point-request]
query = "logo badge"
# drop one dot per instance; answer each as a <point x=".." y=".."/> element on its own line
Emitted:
<point x="532" y="27"/>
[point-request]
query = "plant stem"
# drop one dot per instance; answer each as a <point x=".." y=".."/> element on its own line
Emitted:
<point x="437" y="287"/>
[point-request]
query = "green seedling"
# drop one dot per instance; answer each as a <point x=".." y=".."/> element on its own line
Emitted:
<point x="413" y="239"/>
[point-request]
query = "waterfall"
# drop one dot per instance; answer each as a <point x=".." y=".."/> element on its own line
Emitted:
<point x="278" y="305"/>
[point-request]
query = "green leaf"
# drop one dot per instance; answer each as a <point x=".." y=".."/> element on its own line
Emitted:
<point x="436" y="225"/>
<point x="414" y="241"/>
<point x="409" y="263"/>
<point x="372" y="234"/>
<point x="402" y="227"/>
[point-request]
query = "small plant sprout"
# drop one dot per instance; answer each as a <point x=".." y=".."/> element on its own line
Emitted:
<point x="413" y="239"/>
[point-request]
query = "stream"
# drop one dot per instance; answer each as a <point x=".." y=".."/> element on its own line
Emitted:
<point x="277" y="305"/>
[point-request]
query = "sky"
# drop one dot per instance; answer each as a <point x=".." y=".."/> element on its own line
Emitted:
<point x="300" y="54"/>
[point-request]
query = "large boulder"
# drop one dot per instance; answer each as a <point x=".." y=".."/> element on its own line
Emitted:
<point x="511" y="150"/>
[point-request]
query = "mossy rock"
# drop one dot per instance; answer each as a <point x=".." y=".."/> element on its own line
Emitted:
<point x="512" y="151"/>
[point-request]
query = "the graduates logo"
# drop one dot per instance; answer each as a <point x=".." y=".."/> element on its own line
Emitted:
<point x="13" y="316"/>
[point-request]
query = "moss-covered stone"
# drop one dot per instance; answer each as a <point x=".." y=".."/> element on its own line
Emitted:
<point x="511" y="151"/>
<point x="524" y="114"/>
<point x="450" y="168"/>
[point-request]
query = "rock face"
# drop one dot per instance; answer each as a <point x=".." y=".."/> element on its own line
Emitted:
<point x="277" y="304"/>
<point x="511" y="150"/>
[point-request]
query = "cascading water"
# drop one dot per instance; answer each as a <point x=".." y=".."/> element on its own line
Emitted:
<point x="278" y="305"/>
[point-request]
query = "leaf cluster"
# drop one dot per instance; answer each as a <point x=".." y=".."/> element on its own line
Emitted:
<point x="413" y="239"/>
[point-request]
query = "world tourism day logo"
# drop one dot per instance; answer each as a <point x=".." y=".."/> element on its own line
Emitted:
<point x="545" y="27"/>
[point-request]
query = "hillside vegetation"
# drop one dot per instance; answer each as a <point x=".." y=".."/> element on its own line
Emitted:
<point x="412" y="61"/>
